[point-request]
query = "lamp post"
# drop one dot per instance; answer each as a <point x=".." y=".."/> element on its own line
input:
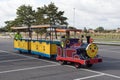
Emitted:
<point x="74" y="17"/>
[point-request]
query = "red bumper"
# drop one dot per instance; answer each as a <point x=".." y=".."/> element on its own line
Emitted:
<point x="83" y="62"/>
<point x="93" y="61"/>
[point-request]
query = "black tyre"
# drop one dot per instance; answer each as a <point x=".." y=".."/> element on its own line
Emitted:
<point x="89" y="65"/>
<point x="52" y="57"/>
<point x="62" y="62"/>
<point x="39" y="56"/>
<point x="20" y="51"/>
<point x="77" y="65"/>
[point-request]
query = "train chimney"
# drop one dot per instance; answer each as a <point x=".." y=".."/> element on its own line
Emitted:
<point x="88" y="39"/>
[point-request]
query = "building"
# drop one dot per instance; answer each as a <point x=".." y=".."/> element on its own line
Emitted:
<point x="91" y="31"/>
<point x="118" y="30"/>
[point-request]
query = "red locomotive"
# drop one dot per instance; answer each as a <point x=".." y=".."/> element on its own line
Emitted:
<point x="75" y="51"/>
<point x="68" y="48"/>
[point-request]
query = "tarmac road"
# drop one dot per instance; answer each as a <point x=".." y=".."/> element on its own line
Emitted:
<point x="14" y="66"/>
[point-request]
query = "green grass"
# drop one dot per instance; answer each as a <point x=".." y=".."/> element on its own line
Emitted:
<point x="110" y="37"/>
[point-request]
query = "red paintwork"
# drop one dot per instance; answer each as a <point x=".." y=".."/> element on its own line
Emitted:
<point x="91" y="40"/>
<point x="70" y="60"/>
<point x="93" y="61"/>
<point x="70" y="52"/>
<point x="71" y="56"/>
<point x="83" y="62"/>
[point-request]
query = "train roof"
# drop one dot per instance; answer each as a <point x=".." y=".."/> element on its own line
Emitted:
<point x="68" y="30"/>
<point x="59" y="28"/>
<point x="37" y="27"/>
<point x="32" y="27"/>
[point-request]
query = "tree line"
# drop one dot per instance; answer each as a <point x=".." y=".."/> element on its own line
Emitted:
<point x="99" y="29"/>
<point x="27" y="16"/>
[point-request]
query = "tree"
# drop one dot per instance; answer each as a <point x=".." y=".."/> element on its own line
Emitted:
<point x="9" y="24"/>
<point x="26" y="16"/>
<point x="99" y="29"/>
<point x="70" y="27"/>
<point x="40" y="31"/>
<point x="2" y="29"/>
<point x="54" y="16"/>
<point x="40" y="16"/>
<point x="85" y="30"/>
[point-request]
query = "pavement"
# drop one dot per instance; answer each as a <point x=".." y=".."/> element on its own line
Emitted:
<point x="15" y="66"/>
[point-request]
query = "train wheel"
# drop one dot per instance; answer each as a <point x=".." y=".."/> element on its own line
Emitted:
<point x="20" y="51"/>
<point x="77" y="65"/>
<point x="89" y="65"/>
<point x="52" y="57"/>
<point x="62" y="62"/>
<point x="39" y="56"/>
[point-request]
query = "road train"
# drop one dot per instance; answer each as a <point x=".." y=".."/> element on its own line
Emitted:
<point x="64" y="45"/>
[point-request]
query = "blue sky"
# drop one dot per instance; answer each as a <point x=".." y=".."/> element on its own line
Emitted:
<point x="80" y="13"/>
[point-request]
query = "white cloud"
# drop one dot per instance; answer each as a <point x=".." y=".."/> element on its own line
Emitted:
<point x="8" y="9"/>
<point x="92" y="13"/>
<point x="88" y="13"/>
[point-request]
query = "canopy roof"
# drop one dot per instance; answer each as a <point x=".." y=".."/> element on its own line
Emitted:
<point x="68" y="30"/>
<point x="37" y="26"/>
<point x="32" y="27"/>
<point x="47" y="26"/>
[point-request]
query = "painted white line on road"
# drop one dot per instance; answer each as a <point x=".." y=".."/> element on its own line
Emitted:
<point x="92" y="71"/>
<point x="29" y="57"/>
<point x="109" y="50"/>
<point x="90" y="77"/>
<point x="3" y="51"/>
<point x="30" y="68"/>
<point x="111" y="75"/>
<point x="13" y="60"/>
<point x="102" y="73"/>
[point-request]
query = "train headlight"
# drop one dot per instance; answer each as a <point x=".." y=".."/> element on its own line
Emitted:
<point x="92" y="50"/>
